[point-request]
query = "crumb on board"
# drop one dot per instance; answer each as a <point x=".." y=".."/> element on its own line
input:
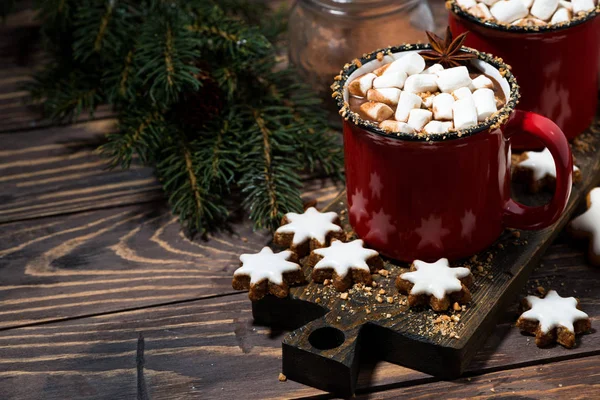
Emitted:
<point x="282" y="377"/>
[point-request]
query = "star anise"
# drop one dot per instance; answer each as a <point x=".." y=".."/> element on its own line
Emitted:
<point x="447" y="51"/>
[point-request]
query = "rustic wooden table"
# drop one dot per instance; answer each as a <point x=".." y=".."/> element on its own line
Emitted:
<point x="102" y="296"/>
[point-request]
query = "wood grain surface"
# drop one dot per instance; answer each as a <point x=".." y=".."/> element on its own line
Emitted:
<point x="210" y="349"/>
<point x="117" y="258"/>
<point x="58" y="171"/>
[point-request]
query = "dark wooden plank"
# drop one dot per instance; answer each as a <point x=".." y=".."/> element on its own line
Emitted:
<point x="58" y="170"/>
<point x="573" y="379"/>
<point x="118" y="258"/>
<point x="211" y="349"/>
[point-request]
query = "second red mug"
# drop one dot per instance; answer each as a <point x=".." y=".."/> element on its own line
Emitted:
<point x="426" y="197"/>
<point x="557" y="67"/>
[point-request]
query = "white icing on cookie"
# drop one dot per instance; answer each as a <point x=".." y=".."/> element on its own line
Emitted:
<point x="541" y="163"/>
<point x="266" y="265"/>
<point x="589" y="221"/>
<point x="310" y="225"/>
<point x="436" y="279"/>
<point x="343" y="256"/>
<point x="553" y="311"/>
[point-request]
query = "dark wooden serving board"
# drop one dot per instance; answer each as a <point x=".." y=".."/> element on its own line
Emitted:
<point x="330" y="334"/>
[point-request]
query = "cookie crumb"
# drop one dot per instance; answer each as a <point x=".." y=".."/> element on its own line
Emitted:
<point x="374" y="284"/>
<point x="388" y="315"/>
<point x="326" y="282"/>
<point x="282" y="377"/>
<point x="541" y="290"/>
<point x="516" y="234"/>
<point x="384" y="272"/>
<point x="318" y="300"/>
<point x="456" y="307"/>
<point x="381" y="291"/>
<point x="344" y="296"/>
<point x="379" y="299"/>
<point x="390" y="299"/>
<point x="493" y="390"/>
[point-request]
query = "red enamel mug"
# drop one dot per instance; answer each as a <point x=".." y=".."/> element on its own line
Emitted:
<point x="417" y="197"/>
<point x="557" y="67"/>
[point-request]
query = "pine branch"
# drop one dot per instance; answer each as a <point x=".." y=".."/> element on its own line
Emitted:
<point x="166" y="51"/>
<point x="64" y="94"/>
<point x="199" y="208"/>
<point x="269" y="178"/>
<point x="199" y="96"/>
<point x="139" y="132"/>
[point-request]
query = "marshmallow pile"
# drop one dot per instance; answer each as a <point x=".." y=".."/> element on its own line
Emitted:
<point x="527" y="12"/>
<point x="405" y="97"/>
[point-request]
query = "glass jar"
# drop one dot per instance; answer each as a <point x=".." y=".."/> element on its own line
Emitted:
<point x="326" y="34"/>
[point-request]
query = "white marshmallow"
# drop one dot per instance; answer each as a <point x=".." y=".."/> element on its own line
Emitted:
<point x="436" y="127"/>
<point x="489" y="2"/>
<point x="465" y="113"/>
<point x="418" y="118"/>
<point x="396" y="126"/>
<point x="561" y="15"/>
<point x="389" y="96"/>
<point x="428" y="101"/>
<point x="482" y="81"/>
<point x="360" y="85"/>
<point x="390" y="80"/>
<point x="411" y="63"/>
<point x="566" y="4"/>
<point x="442" y="106"/>
<point x="544" y="9"/>
<point x="462" y="93"/>
<point x="509" y="11"/>
<point x="485" y="102"/>
<point x="434" y="69"/>
<point x="408" y="101"/>
<point x="453" y="78"/>
<point x="582" y="5"/>
<point x="376" y="111"/>
<point x="421" y="83"/>
<point x="527" y="3"/>
<point x="466" y="4"/>
<point x="481" y="11"/>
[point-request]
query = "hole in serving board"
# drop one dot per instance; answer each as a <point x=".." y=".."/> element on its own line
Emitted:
<point x="326" y="338"/>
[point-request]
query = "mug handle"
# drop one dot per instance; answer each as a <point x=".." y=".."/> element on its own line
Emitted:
<point x="517" y="215"/>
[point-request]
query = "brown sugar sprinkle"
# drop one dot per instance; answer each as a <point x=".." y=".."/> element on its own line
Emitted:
<point x="390" y="299"/>
<point x="282" y="377"/>
<point x="380" y="56"/>
<point x="344" y="296"/>
<point x="357" y="63"/>
<point x="384" y="272"/>
<point x="456" y="307"/>
<point x="381" y="291"/>
<point x="379" y="299"/>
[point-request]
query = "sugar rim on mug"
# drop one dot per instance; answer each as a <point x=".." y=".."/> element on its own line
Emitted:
<point x="456" y="9"/>
<point x="492" y="123"/>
